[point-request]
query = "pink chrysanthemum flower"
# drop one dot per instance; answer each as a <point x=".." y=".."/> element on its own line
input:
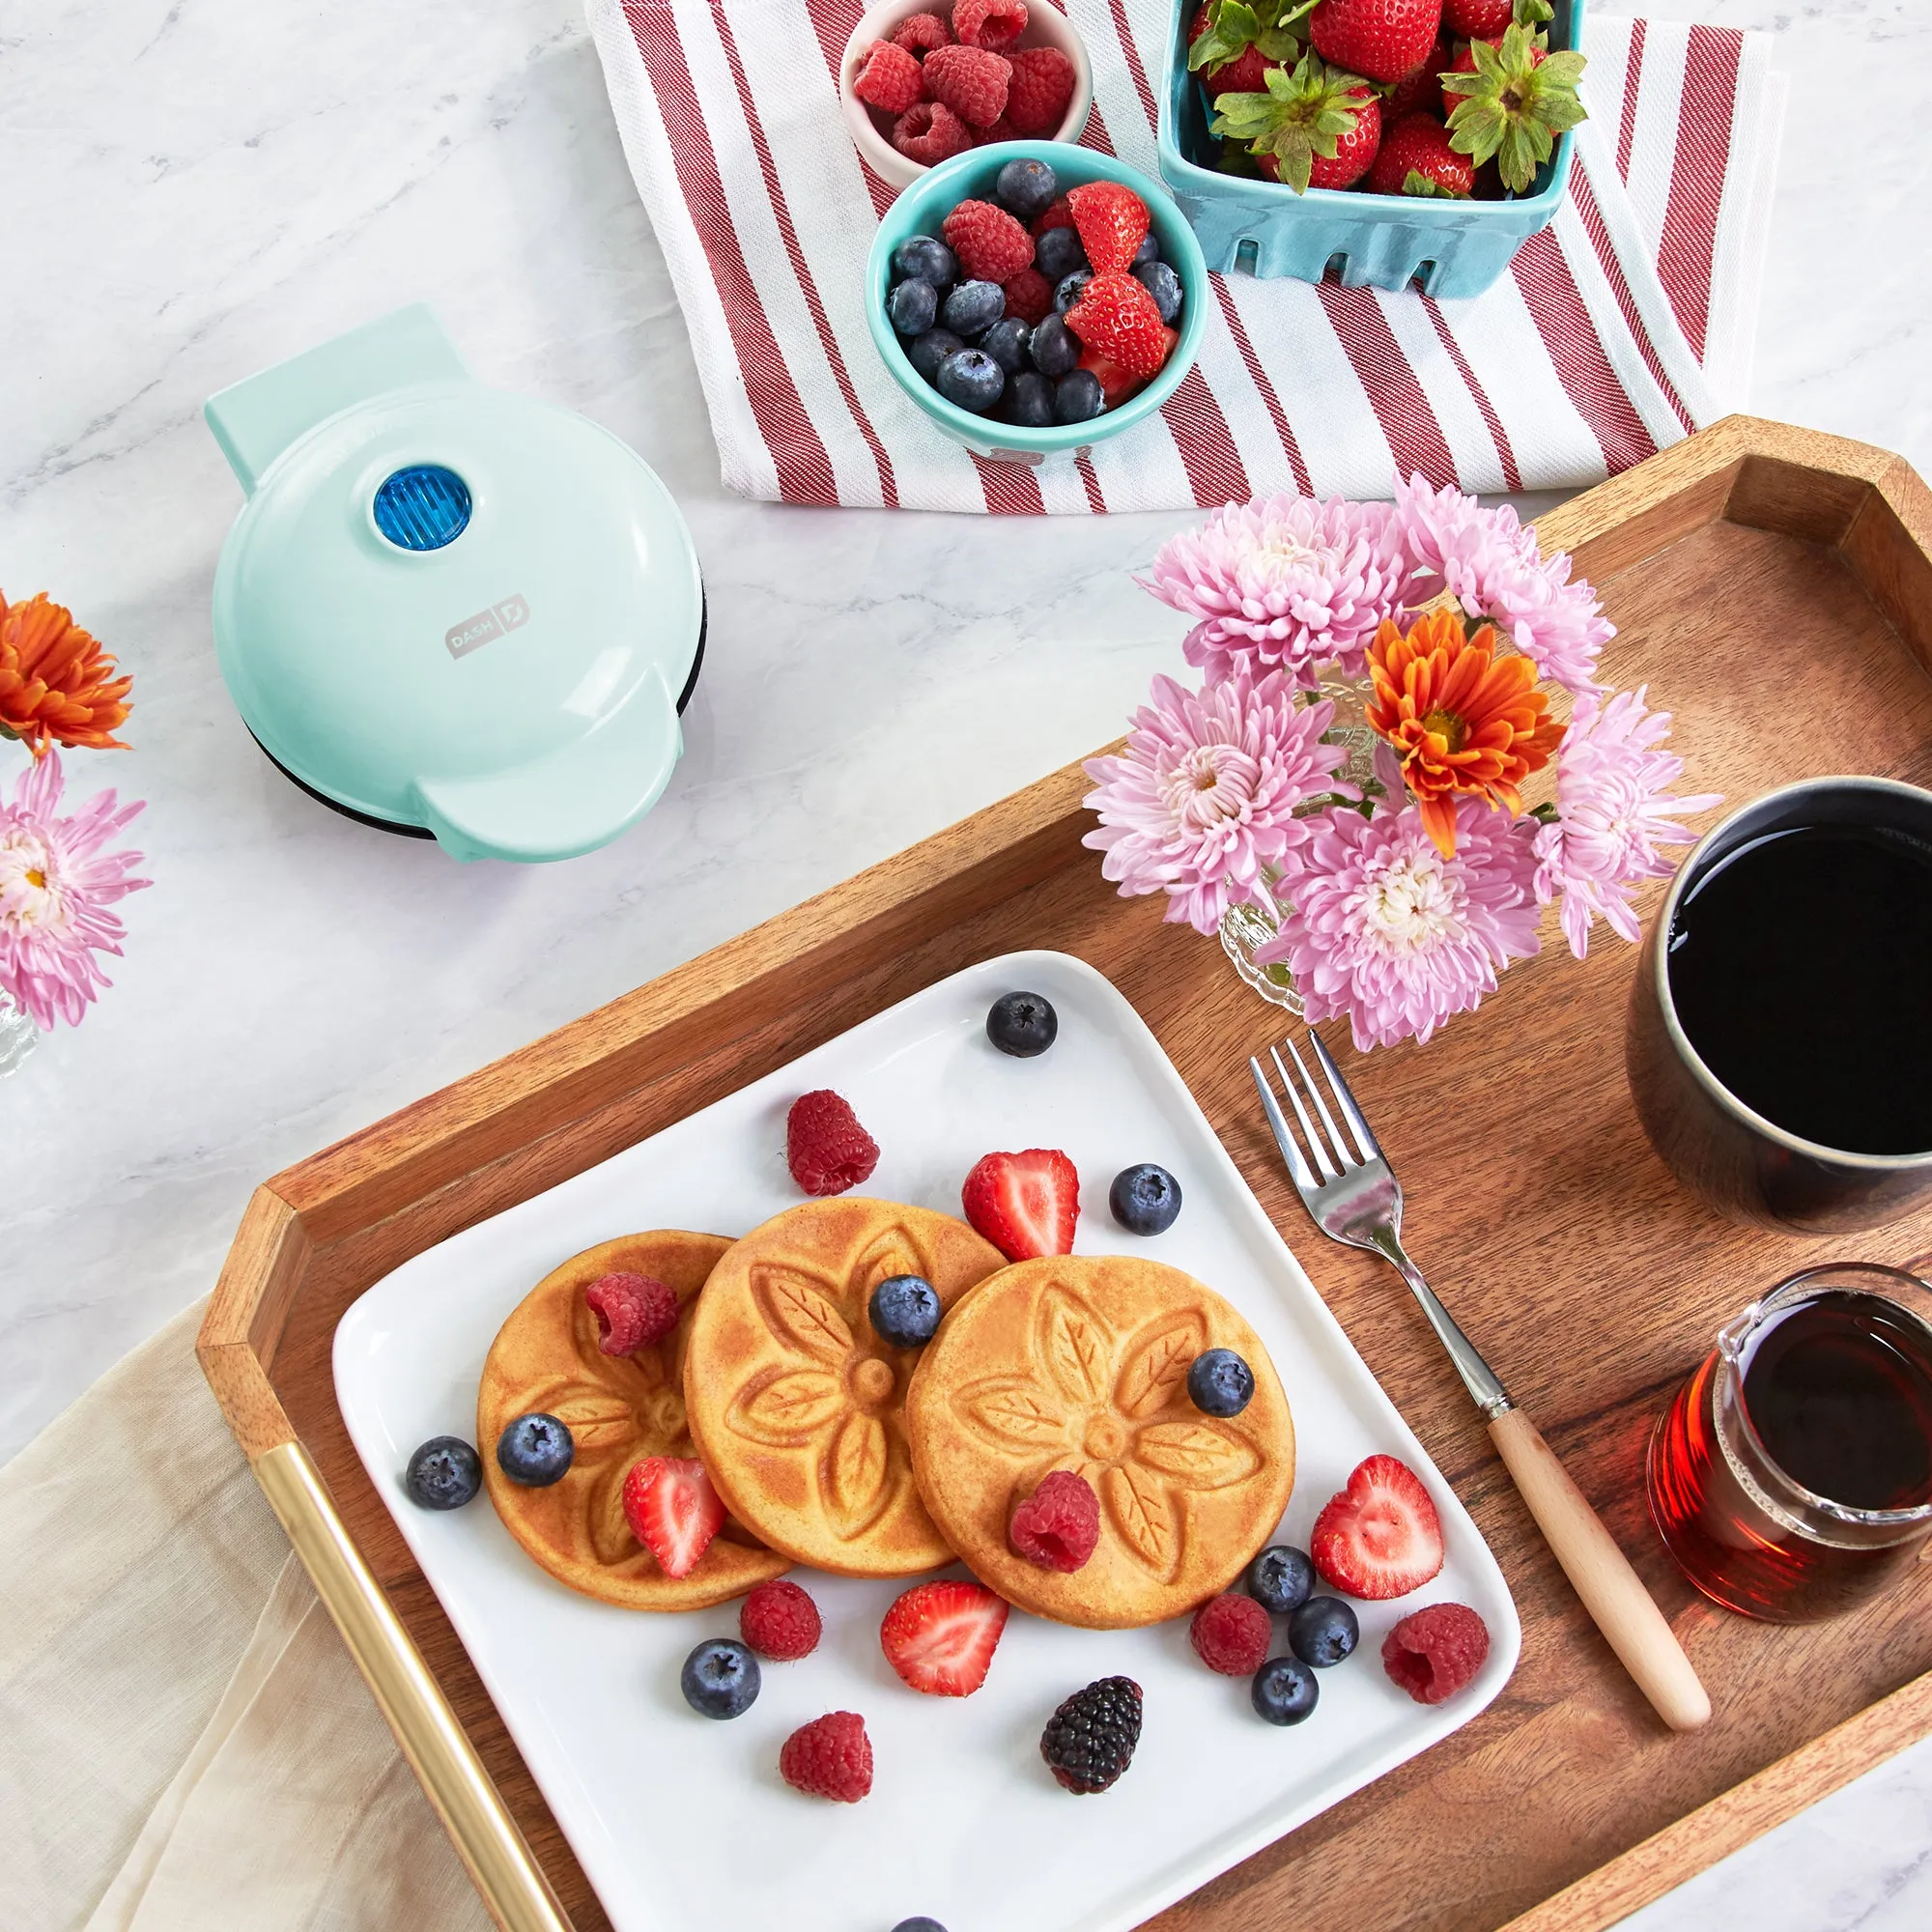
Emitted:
<point x="1204" y="797"/>
<point x="1285" y="584"/>
<point x="1490" y="564"/>
<point x="1614" y="811"/>
<point x="56" y="883"/>
<point x="1387" y="930"/>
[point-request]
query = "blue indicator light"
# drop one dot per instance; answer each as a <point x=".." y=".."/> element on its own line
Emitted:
<point x="422" y="508"/>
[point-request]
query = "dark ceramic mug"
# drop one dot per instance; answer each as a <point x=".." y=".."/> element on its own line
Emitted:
<point x="1743" y="1164"/>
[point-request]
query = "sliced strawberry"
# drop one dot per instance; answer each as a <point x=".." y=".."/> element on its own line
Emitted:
<point x="673" y="1511"/>
<point x="1112" y="221"/>
<point x="1116" y="315"/>
<point x="1116" y="385"/>
<point x="1025" y="1204"/>
<point x="941" y="1637"/>
<point x="1380" y="1537"/>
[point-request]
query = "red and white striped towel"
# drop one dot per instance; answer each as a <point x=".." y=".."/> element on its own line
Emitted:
<point x="1620" y="329"/>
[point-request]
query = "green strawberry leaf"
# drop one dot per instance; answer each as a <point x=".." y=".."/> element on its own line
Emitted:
<point x="1232" y="29"/>
<point x="1278" y="44"/>
<point x="1413" y="183"/>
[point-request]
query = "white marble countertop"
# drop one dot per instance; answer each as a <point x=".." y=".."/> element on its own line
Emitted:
<point x="194" y="190"/>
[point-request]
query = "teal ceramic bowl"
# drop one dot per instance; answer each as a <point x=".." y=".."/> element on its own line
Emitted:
<point x="923" y="206"/>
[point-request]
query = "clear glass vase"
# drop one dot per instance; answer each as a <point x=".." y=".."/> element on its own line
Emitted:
<point x="1245" y="928"/>
<point x="19" y="1034"/>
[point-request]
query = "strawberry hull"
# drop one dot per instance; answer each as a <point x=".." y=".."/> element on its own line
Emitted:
<point x="1454" y="249"/>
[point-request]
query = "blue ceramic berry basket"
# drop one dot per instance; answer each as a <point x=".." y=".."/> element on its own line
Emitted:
<point x="921" y="208"/>
<point x="1452" y="249"/>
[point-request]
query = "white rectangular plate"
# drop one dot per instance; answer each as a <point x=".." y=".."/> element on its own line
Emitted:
<point x="682" y="1823"/>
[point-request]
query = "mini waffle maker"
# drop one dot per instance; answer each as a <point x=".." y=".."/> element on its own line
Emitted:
<point x="447" y="611"/>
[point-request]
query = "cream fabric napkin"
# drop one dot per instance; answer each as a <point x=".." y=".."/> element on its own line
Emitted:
<point x="184" y="1743"/>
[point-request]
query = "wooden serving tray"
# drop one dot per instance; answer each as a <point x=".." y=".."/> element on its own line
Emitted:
<point x="1775" y="589"/>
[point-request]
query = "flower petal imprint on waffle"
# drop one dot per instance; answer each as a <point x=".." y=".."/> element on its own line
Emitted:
<point x="619" y="1409"/>
<point x="1080" y="1363"/>
<point x="797" y="1405"/>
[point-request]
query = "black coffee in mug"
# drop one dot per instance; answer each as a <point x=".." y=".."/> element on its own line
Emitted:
<point x="1800" y="965"/>
<point x="1780" y="1038"/>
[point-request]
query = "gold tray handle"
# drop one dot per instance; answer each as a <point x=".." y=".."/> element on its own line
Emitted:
<point x="486" y="1837"/>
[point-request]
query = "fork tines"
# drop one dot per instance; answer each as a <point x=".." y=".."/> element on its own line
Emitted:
<point x="1333" y="1154"/>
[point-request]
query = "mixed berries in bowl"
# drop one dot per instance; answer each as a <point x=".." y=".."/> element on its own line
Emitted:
<point x="1034" y="297"/>
<point x="923" y="80"/>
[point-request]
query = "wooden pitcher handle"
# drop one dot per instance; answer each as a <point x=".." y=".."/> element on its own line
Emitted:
<point x="1613" y="1592"/>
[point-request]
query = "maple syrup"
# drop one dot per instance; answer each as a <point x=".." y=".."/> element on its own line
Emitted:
<point x="1791" y="1476"/>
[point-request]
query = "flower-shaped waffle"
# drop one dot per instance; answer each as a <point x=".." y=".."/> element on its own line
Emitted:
<point x="1078" y="1362"/>
<point x="797" y="1406"/>
<point x="618" y="1409"/>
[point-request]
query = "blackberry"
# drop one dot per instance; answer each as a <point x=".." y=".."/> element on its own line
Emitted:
<point x="1091" y="1739"/>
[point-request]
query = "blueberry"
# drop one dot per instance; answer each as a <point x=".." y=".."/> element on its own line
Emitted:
<point x="1006" y="342"/>
<point x="535" y="1450"/>
<point x="1148" y="251"/>
<point x="906" y="1311"/>
<point x="1322" y="1631"/>
<point x="925" y="352"/>
<point x="1068" y="291"/>
<point x="972" y="380"/>
<point x="1280" y="1579"/>
<point x="1054" y="348"/>
<point x="1284" y="1690"/>
<point x="444" y="1474"/>
<point x="1022" y="1023"/>
<point x="913" y="307"/>
<point x="923" y="258"/>
<point x="1058" y="252"/>
<point x="974" y="307"/>
<point x="1029" y="401"/>
<point x="720" y="1678"/>
<point x="1220" y="1384"/>
<point x="1026" y="188"/>
<point x="920" y="1924"/>
<point x="1164" y="286"/>
<point x="1078" y="398"/>
<point x="1145" y="1198"/>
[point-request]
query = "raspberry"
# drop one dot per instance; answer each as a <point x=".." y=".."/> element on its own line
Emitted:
<point x="1041" y="90"/>
<point x="1059" y="1524"/>
<point x="888" y="79"/>
<point x="1117" y="318"/>
<point x="1112" y="221"/>
<point x="826" y="1148"/>
<point x="1091" y="1739"/>
<point x="992" y="24"/>
<point x="830" y="1757"/>
<point x="1002" y="129"/>
<point x="1230" y="1635"/>
<point x="779" y="1621"/>
<point x="970" y="82"/>
<point x="632" y="1310"/>
<point x="1059" y="215"/>
<point x="921" y="33"/>
<point x="1030" y="297"/>
<point x="1433" y="1653"/>
<point x="931" y="133"/>
<point x="991" y="245"/>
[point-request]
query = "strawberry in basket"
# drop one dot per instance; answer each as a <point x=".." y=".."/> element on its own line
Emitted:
<point x="1512" y="100"/>
<point x="1315" y="128"/>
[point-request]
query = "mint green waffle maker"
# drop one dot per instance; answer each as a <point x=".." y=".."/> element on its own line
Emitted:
<point x="448" y="610"/>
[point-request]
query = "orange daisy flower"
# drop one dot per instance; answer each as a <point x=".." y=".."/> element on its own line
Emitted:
<point x="1465" y="723"/>
<point x="57" y="685"/>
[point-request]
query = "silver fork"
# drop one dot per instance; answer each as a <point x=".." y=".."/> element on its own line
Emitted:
<point x="1352" y="1195"/>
